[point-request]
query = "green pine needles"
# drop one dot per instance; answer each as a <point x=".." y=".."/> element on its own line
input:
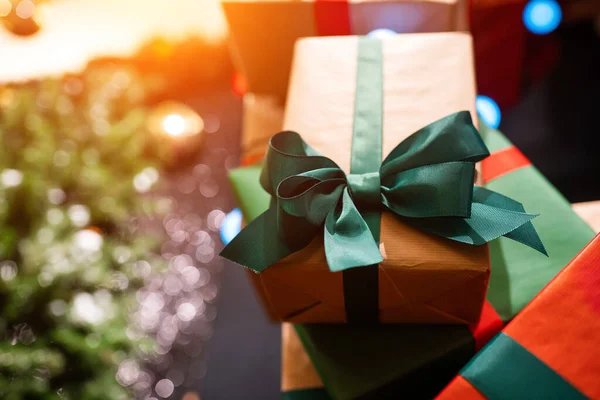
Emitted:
<point x="75" y="161"/>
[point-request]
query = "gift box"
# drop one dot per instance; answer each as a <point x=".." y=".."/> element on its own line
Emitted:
<point x="508" y="58"/>
<point x="253" y="201"/>
<point x="262" y="118"/>
<point x="550" y="350"/>
<point x="391" y="361"/>
<point x="351" y="99"/>
<point x="499" y="38"/>
<point x="590" y="213"/>
<point x="430" y="353"/>
<point x="264" y="32"/>
<point x="299" y="380"/>
<point x="416" y="353"/>
<point x="519" y="274"/>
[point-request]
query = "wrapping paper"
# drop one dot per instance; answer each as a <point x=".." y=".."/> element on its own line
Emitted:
<point x="550" y="350"/>
<point x="378" y="362"/>
<point x="299" y="379"/>
<point x="507" y="56"/>
<point x="499" y="43"/>
<point x="590" y="213"/>
<point x="518" y="273"/>
<point x="423" y="279"/>
<point x="262" y="118"/>
<point x="264" y="32"/>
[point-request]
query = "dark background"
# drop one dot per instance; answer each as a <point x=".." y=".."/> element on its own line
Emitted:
<point x="554" y="124"/>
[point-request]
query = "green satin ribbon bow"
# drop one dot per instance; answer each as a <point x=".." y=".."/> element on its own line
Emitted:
<point x="426" y="181"/>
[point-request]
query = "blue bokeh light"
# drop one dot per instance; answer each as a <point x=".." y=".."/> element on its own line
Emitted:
<point x="542" y="16"/>
<point x="381" y="33"/>
<point x="231" y="226"/>
<point x="488" y="111"/>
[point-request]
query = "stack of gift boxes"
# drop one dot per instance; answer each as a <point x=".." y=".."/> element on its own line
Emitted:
<point x="394" y="239"/>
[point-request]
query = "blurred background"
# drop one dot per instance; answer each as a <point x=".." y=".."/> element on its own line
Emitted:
<point x="119" y="120"/>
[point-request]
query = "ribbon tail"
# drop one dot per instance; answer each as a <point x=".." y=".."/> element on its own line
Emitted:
<point x="492" y="215"/>
<point x="348" y="241"/>
<point x="260" y="244"/>
<point x="527" y="235"/>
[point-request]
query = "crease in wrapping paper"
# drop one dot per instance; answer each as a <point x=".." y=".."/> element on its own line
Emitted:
<point x="446" y="282"/>
<point x="264" y="32"/>
<point x="562" y="319"/>
<point x="518" y="273"/>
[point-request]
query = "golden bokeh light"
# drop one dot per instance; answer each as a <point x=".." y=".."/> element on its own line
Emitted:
<point x="25" y="9"/>
<point x="175" y="120"/>
<point x="5" y="8"/>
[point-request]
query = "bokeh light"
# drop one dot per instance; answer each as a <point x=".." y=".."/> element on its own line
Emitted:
<point x="174" y="119"/>
<point x="174" y="124"/>
<point x="488" y="111"/>
<point x="381" y="33"/>
<point x="231" y="225"/>
<point x="542" y="16"/>
<point x="25" y="9"/>
<point x="8" y="270"/>
<point x="11" y="177"/>
<point x="5" y="8"/>
<point x="164" y="388"/>
<point x="88" y="240"/>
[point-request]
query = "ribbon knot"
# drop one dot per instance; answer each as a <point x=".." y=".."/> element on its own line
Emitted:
<point x="365" y="189"/>
<point x="426" y="181"/>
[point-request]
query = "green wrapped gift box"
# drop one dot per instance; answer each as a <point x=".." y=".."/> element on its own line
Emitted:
<point x="518" y="273"/>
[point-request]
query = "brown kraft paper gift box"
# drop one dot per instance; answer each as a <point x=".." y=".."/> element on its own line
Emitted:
<point x="423" y="278"/>
<point x="263" y="32"/>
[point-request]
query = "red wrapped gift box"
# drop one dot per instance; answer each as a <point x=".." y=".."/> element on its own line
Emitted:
<point x="507" y="56"/>
<point x="550" y="350"/>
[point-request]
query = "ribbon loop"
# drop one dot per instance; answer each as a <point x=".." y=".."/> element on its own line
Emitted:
<point x="365" y="189"/>
<point x="439" y="190"/>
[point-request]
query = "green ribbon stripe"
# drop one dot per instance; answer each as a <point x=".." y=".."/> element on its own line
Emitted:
<point x="505" y="370"/>
<point x="427" y="181"/>
<point x="361" y="285"/>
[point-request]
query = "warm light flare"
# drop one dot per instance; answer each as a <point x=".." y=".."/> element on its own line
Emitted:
<point x="77" y="31"/>
<point x="175" y="120"/>
<point x="174" y="124"/>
